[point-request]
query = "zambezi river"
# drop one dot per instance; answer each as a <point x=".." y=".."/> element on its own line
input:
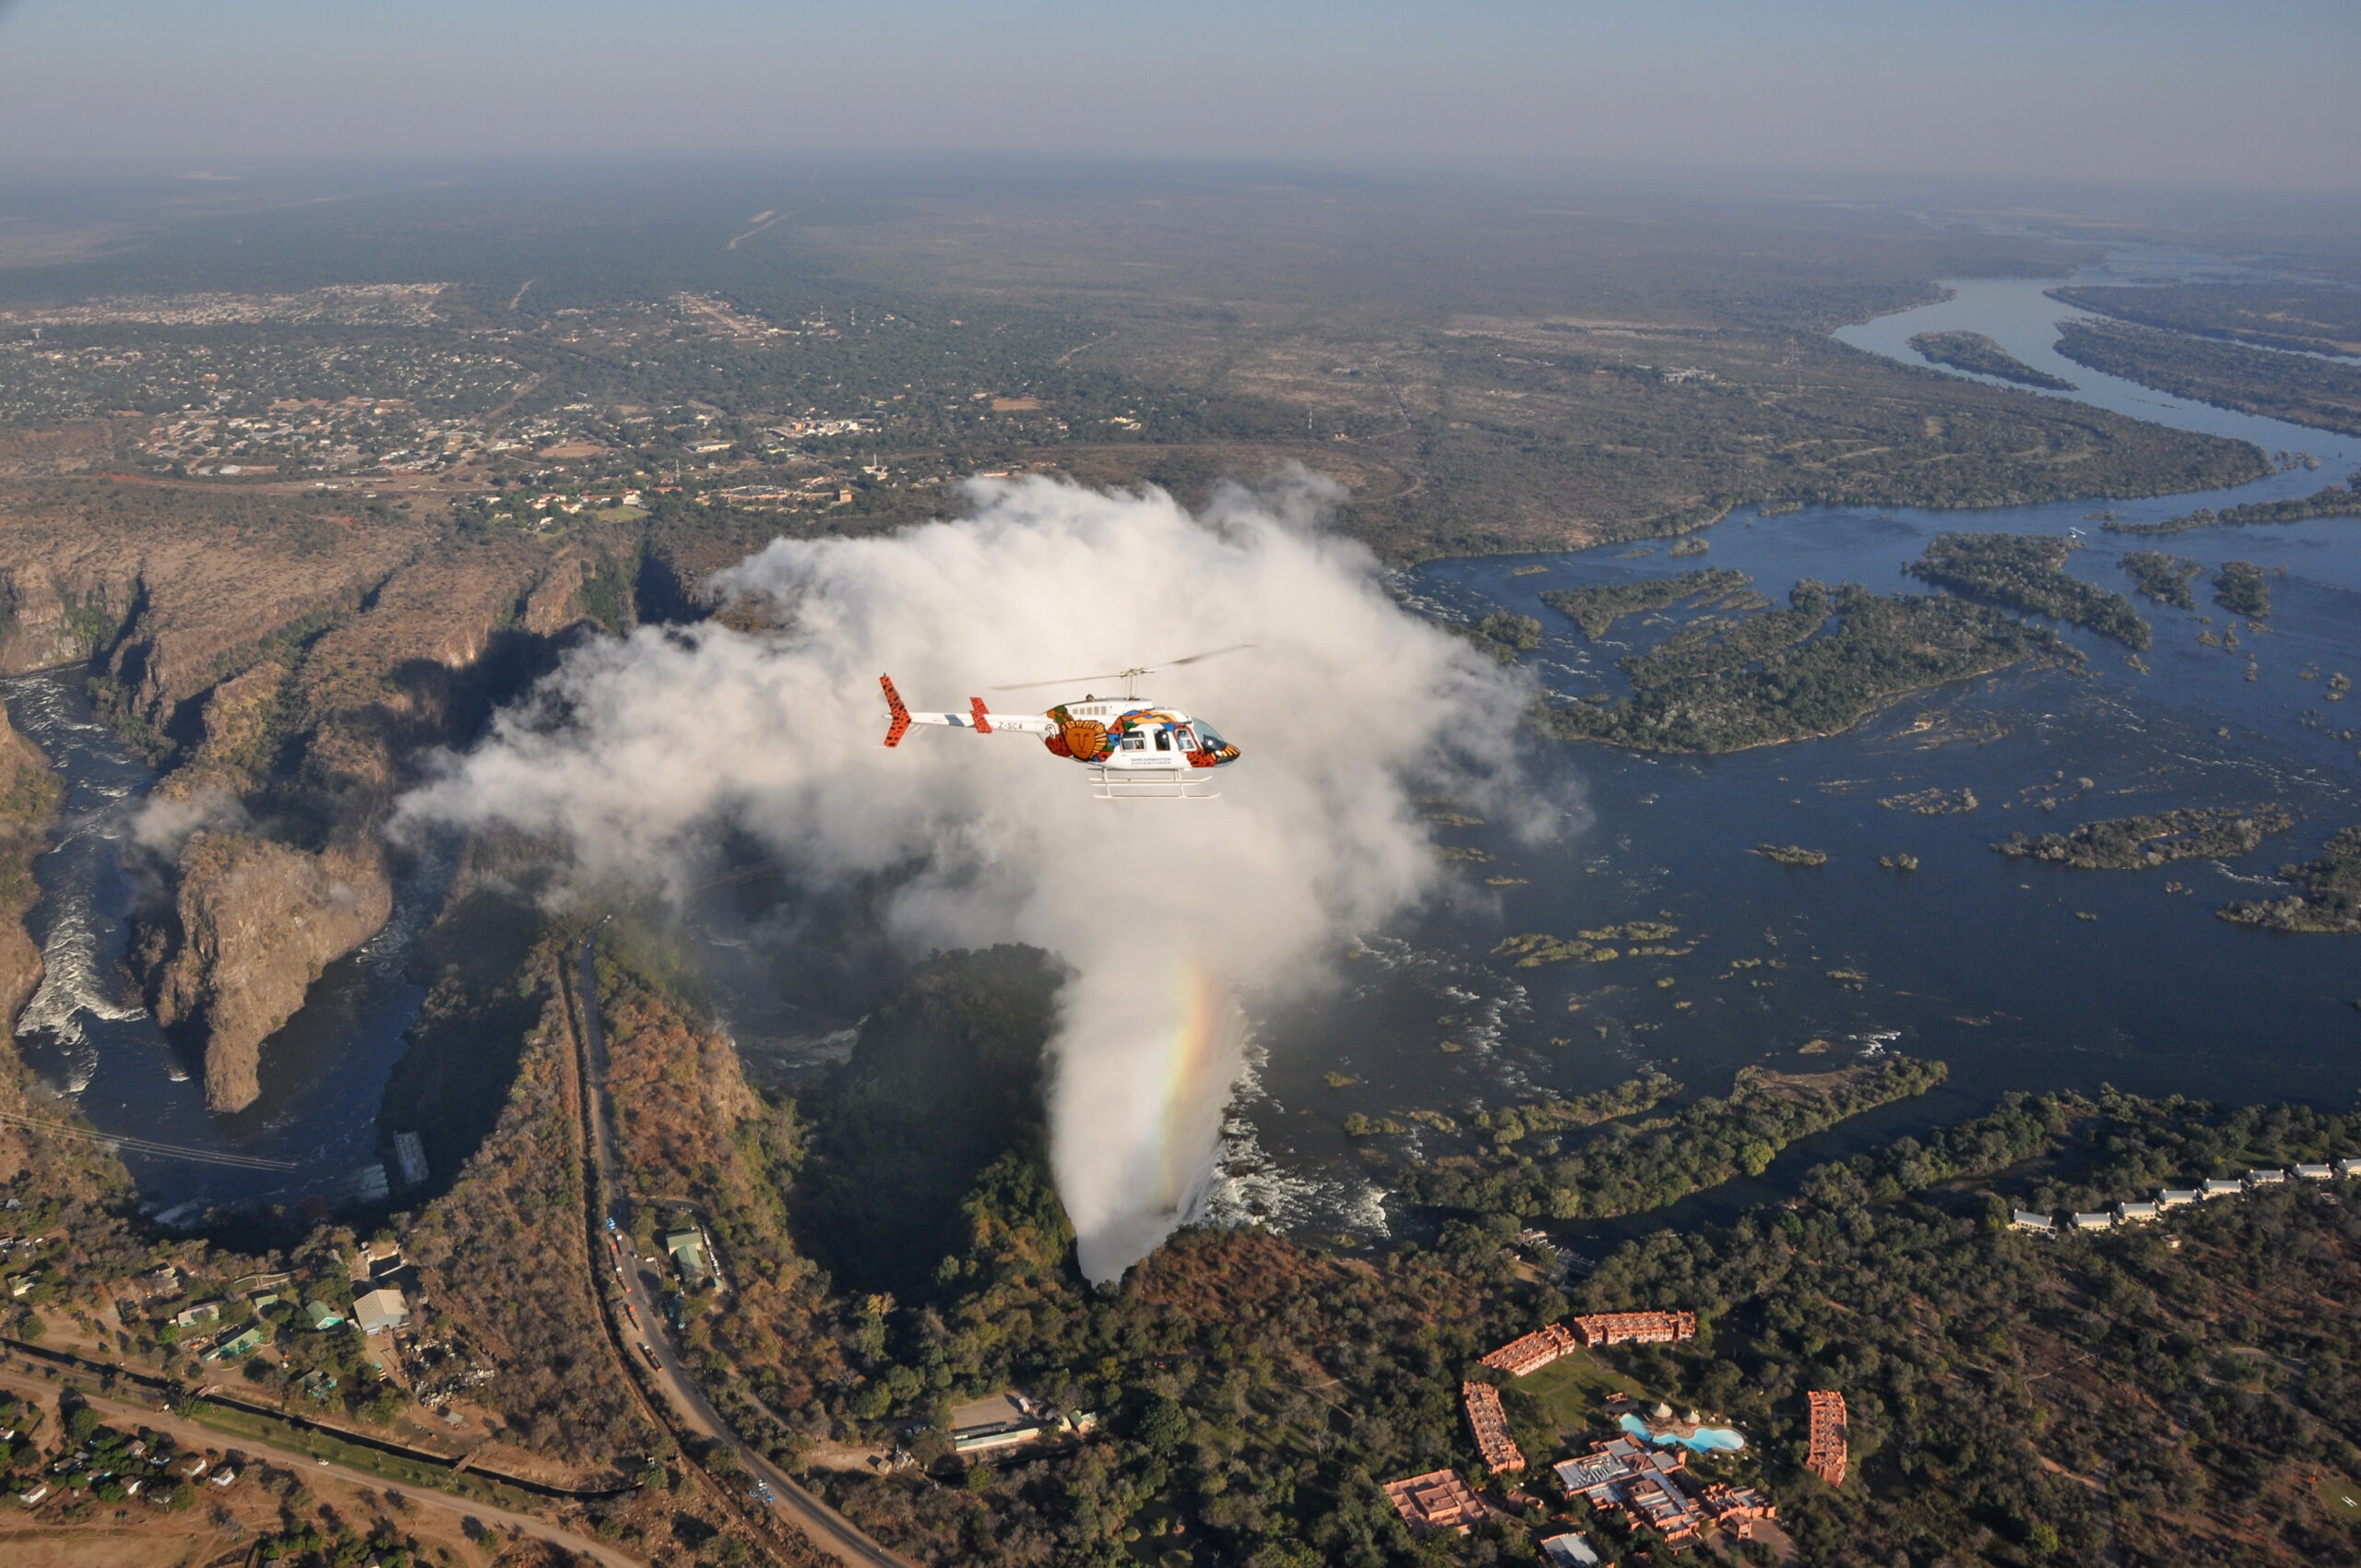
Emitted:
<point x="2021" y="976"/>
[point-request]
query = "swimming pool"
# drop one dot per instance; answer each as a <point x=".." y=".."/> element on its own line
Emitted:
<point x="1706" y="1439"/>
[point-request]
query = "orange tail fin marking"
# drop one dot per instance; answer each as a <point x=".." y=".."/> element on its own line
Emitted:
<point x="983" y="719"/>
<point x="901" y="721"/>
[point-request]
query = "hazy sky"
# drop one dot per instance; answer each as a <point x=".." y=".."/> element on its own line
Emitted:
<point x="2184" y="90"/>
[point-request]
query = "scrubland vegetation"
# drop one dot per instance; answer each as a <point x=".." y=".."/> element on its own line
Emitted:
<point x="2294" y="387"/>
<point x="2325" y="897"/>
<point x="1984" y="356"/>
<point x="2132" y="843"/>
<point x="2027" y="573"/>
<point x="1879" y="649"/>
<point x="1630" y="1169"/>
<point x="2331" y="501"/>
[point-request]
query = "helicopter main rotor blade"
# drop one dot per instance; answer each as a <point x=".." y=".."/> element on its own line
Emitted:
<point x="1128" y="674"/>
<point x="1070" y="680"/>
<point x="1198" y="658"/>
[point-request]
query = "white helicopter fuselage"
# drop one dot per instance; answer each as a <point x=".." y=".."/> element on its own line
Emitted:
<point x="1134" y="747"/>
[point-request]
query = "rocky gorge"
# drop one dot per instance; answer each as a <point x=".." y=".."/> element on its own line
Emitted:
<point x="284" y="664"/>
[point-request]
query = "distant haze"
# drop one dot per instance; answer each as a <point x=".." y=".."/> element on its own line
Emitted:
<point x="2162" y="90"/>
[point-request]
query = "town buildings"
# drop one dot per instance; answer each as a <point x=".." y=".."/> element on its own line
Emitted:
<point x="1489" y="1424"/>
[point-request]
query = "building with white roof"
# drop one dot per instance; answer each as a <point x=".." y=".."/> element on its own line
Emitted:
<point x="381" y="1310"/>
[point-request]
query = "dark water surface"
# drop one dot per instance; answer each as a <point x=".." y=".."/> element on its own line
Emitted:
<point x="88" y="1039"/>
<point x="2020" y="976"/>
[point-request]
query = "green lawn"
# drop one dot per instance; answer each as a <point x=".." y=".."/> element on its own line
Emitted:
<point x="1562" y="1407"/>
<point x="2341" y="1497"/>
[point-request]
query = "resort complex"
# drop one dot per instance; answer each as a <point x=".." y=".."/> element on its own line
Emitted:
<point x="1642" y="1475"/>
<point x="1654" y="1486"/>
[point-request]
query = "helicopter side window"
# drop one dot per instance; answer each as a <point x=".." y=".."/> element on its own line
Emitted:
<point x="1136" y="742"/>
<point x="1164" y="740"/>
<point x="1188" y="741"/>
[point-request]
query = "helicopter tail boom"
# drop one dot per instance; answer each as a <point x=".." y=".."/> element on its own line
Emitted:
<point x="979" y="717"/>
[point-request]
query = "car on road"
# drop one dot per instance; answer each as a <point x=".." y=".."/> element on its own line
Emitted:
<point x="761" y="1492"/>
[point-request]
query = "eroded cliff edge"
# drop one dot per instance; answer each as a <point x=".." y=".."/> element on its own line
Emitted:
<point x="285" y="669"/>
<point x="28" y="799"/>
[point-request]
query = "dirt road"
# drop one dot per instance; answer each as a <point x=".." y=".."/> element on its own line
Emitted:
<point x="192" y="1434"/>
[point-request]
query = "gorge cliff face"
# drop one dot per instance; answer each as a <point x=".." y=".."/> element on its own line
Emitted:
<point x="252" y="926"/>
<point x="283" y="657"/>
<point x="29" y="799"/>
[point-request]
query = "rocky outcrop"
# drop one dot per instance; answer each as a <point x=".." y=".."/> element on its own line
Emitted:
<point x="252" y="926"/>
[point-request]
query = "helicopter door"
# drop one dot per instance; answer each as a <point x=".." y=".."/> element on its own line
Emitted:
<point x="1164" y="740"/>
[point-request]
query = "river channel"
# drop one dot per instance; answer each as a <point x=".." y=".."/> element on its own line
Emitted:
<point x="88" y="1039"/>
<point x="2020" y="976"/>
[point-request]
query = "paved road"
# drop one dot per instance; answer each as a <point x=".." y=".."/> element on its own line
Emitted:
<point x="643" y="1326"/>
<point x="194" y="1434"/>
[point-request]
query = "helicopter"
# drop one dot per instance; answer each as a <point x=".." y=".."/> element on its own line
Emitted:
<point x="1134" y="747"/>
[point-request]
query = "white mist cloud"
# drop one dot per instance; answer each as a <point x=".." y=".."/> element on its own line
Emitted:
<point x="637" y="752"/>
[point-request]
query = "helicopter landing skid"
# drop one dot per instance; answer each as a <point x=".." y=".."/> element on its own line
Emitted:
<point x="1152" y="784"/>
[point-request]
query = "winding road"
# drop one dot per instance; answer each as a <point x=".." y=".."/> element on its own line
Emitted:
<point x="639" y="1322"/>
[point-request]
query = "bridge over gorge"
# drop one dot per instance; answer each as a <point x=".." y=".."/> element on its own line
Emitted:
<point x="124" y="1144"/>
